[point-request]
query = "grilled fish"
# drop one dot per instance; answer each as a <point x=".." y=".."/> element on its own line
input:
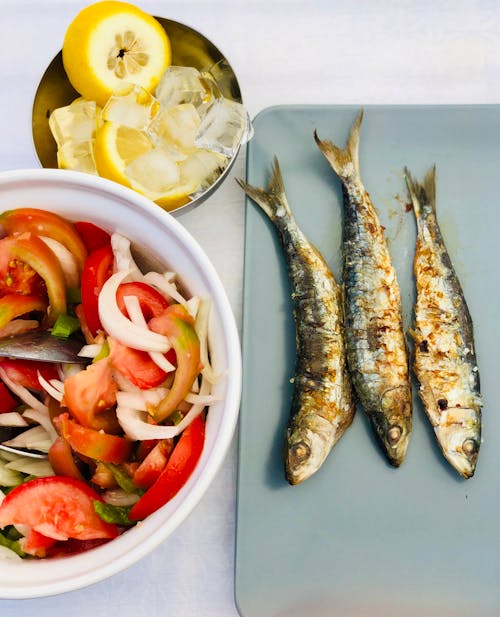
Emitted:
<point x="375" y="342"/>
<point x="445" y="361"/>
<point x="322" y="405"/>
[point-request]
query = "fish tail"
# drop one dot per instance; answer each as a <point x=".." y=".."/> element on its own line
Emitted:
<point x="272" y="198"/>
<point x="343" y="159"/>
<point x="422" y="194"/>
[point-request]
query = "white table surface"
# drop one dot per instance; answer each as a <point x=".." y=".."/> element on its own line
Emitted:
<point x="283" y="51"/>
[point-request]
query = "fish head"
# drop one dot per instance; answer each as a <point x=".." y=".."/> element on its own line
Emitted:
<point x="392" y="423"/>
<point x="459" y="436"/>
<point x="305" y="450"/>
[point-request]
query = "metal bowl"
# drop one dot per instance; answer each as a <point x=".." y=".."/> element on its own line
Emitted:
<point x="189" y="48"/>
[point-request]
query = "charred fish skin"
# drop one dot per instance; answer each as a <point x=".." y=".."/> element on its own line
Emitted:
<point x="322" y="406"/>
<point x="375" y="341"/>
<point x="444" y="359"/>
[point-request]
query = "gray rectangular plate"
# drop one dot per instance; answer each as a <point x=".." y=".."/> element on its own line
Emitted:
<point x="360" y="538"/>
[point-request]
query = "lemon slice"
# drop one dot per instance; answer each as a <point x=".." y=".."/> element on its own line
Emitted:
<point x="115" y="147"/>
<point x="111" y="43"/>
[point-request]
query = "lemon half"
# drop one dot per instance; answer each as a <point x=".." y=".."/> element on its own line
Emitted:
<point x="111" y="43"/>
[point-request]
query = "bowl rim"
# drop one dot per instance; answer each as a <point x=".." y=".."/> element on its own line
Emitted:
<point x="163" y="522"/>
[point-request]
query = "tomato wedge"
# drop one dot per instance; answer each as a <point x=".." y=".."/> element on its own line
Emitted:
<point x="45" y="223"/>
<point x="32" y="251"/>
<point x="152" y="303"/>
<point x="176" y="473"/>
<point x="7" y="402"/>
<point x="93" y="237"/>
<point x="25" y="372"/>
<point x="61" y="459"/>
<point x="151" y="467"/>
<point x="137" y="366"/>
<point x="97" y="445"/>
<point x="96" y="271"/>
<point x="36" y="544"/>
<point x="15" y="305"/>
<point x="178" y="325"/>
<point x="59" y="508"/>
<point x="88" y="395"/>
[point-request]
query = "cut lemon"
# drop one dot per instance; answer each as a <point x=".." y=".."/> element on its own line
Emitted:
<point x="115" y="147"/>
<point x="111" y="43"/>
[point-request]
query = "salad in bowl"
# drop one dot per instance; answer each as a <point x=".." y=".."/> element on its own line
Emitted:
<point x="134" y="432"/>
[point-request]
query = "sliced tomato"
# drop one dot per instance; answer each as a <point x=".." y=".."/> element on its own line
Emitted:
<point x="15" y="305"/>
<point x="36" y="544"/>
<point x="97" y="445"/>
<point x="25" y="372"/>
<point x="93" y="237"/>
<point x="20" y="278"/>
<point x="45" y="223"/>
<point x="176" y="473"/>
<point x="136" y="365"/>
<point x="61" y="459"/>
<point x="7" y="401"/>
<point x="103" y="477"/>
<point x="96" y="271"/>
<point x="30" y="250"/>
<point x="57" y="507"/>
<point x="74" y="547"/>
<point x="151" y="467"/>
<point x="178" y="325"/>
<point x="152" y="303"/>
<point x="89" y="393"/>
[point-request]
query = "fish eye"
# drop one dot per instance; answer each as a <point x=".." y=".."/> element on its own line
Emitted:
<point x="469" y="447"/>
<point x="394" y="434"/>
<point x="300" y="452"/>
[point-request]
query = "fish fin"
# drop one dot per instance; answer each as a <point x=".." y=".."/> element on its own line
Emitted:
<point x="272" y="198"/>
<point x="422" y="193"/>
<point x="341" y="159"/>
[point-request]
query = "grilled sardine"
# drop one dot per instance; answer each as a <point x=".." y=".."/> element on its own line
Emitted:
<point x="375" y="343"/>
<point x="322" y="405"/>
<point x="445" y="361"/>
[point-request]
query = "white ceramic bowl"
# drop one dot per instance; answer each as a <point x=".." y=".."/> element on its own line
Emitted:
<point x="82" y="197"/>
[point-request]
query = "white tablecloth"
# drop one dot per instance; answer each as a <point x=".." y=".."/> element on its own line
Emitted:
<point x="283" y="51"/>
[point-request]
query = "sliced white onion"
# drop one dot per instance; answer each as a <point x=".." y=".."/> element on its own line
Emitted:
<point x="49" y="388"/>
<point x="34" y="467"/>
<point x="68" y="370"/>
<point x="119" y="327"/>
<point x="134" y="422"/>
<point x="134" y="311"/>
<point x="201" y="328"/>
<point x="67" y="260"/>
<point x="43" y="419"/>
<point x="23" y="393"/>
<point x="123" y="257"/>
<point x="8" y="477"/>
<point x="142" y="399"/>
<point x="90" y="351"/>
<point x="165" y="286"/>
<point x="57" y="384"/>
<point x="30" y="439"/>
<point x="119" y="497"/>
<point x="200" y="399"/>
<point x="18" y="326"/>
<point x="12" y="418"/>
<point x="193" y="305"/>
<point x="124" y="384"/>
<point x="6" y="554"/>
